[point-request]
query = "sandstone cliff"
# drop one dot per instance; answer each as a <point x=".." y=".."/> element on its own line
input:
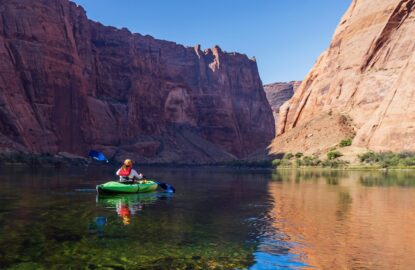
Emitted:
<point x="363" y="84"/>
<point x="69" y="84"/>
<point x="278" y="93"/>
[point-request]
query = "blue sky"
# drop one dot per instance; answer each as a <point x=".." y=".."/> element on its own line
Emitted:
<point x="285" y="36"/>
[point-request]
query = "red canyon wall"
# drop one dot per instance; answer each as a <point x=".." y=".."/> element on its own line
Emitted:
<point x="363" y="85"/>
<point x="70" y="84"/>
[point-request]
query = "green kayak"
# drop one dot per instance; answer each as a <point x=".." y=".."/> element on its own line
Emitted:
<point x="114" y="187"/>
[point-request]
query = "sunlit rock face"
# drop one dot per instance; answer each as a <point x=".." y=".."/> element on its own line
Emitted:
<point x="70" y="84"/>
<point x="366" y="75"/>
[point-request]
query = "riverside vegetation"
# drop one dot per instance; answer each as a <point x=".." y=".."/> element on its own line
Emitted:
<point x="368" y="160"/>
<point x="299" y="160"/>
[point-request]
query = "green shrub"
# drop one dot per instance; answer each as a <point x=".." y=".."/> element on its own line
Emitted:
<point x="286" y="163"/>
<point x="298" y="155"/>
<point x="276" y="163"/>
<point x="334" y="163"/>
<point x="288" y="156"/>
<point x="388" y="159"/>
<point x="407" y="154"/>
<point x="299" y="162"/>
<point x="311" y="161"/>
<point x="408" y="161"/>
<point x="345" y="143"/>
<point x="330" y="163"/>
<point x="333" y="155"/>
<point x="281" y="163"/>
<point x="369" y="157"/>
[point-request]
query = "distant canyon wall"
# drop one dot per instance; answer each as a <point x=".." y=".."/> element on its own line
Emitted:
<point x="68" y="84"/>
<point x="278" y="93"/>
<point x="361" y="87"/>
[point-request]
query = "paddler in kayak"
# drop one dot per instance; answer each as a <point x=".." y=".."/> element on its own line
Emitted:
<point x="127" y="174"/>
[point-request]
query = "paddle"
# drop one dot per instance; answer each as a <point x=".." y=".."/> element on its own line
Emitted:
<point x="99" y="156"/>
<point x="168" y="188"/>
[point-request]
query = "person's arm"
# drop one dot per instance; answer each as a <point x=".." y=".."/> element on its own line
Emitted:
<point x="118" y="172"/>
<point x="135" y="175"/>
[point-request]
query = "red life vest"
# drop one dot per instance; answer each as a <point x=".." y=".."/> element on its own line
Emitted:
<point x="125" y="172"/>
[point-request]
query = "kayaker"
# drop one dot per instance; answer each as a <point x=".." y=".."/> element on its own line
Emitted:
<point x="127" y="174"/>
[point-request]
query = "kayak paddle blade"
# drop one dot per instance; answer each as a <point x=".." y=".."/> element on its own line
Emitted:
<point x="99" y="156"/>
<point x="168" y="188"/>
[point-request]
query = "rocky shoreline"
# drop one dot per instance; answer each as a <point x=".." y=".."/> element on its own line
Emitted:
<point x="15" y="158"/>
<point x="64" y="160"/>
<point x="341" y="158"/>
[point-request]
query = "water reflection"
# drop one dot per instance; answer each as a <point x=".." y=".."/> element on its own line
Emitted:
<point x="217" y="220"/>
<point x="46" y="222"/>
<point x="388" y="179"/>
<point x="98" y="226"/>
<point x="347" y="220"/>
<point x="129" y="205"/>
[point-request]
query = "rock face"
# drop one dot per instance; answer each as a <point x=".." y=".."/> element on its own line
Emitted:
<point x="68" y="84"/>
<point x="278" y="93"/>
<point x="367" y="75"/>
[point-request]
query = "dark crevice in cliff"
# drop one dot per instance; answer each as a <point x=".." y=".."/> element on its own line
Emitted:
<point x="26" y="79"/>
<point x="7" y="127"/>
<point x="307" y="85"/>
<point x="396" y="19"/>
<point x="10" y="53"/>
<point x="3" y="25"/>
<point x="301" y="109"/>
<point x="284" y="122"/>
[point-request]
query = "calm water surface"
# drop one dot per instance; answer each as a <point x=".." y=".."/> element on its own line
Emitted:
<point x="218" y="219"/>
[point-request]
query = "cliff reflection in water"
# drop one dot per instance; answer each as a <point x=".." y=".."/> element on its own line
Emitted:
<point x="347" y="220"/>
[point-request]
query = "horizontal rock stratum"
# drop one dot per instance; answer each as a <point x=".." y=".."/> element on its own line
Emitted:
<point x="68" y="84"/>
<point x="364" y="85"/>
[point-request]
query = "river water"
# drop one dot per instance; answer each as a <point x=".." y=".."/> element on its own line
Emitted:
<point x="218" y="219"/>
